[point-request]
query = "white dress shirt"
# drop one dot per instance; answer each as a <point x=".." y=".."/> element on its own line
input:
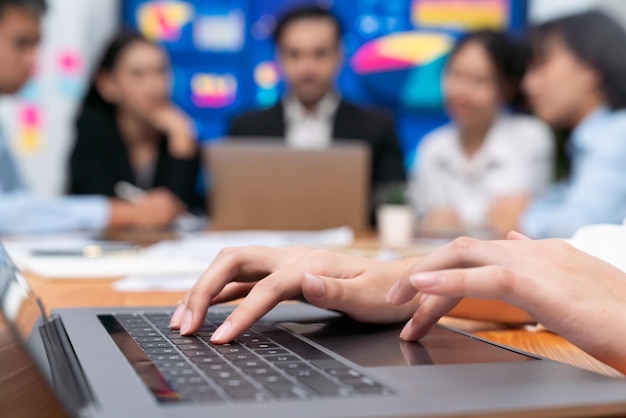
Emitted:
<point x="310" y="129"/>
<point x="516" y="157"/>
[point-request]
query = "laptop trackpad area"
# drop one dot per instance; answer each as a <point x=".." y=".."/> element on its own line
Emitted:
<point x="380" y="346"/>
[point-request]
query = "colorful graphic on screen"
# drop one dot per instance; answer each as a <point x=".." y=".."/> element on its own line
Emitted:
<point x="163" y="20"/>
<point x="30" y="132"/>
<point x="267" y="78"/>
<point x="220" y="32"/>
<point x="400" y="51"/>
<point x="213" y="91"/>
<point x="71" y="70"/>
<point x="461" y="14"/>
<point x="404" y="68"/>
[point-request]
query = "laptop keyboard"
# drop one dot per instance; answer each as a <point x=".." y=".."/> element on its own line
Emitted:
<point x="263" y="364"/>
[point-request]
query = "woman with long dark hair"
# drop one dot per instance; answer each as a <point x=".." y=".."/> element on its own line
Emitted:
<point x="576" y="80"/>
<point x="491" y="148"/>
<point x="128" y="130"/>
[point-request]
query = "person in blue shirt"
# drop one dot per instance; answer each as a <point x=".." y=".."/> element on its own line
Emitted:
<point x="576" y="81"/>
<point x="22" y="211"/>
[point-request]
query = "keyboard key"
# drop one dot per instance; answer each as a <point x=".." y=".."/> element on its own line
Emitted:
<point x="200" y="353"/>
<point x="191" y="347"/>
<point x="258" y="371"/>
<point x="151" y="333"/>
<point x="150" y="339"/>
<point x="155" y="345"/>
<point x="206" y="360"/>
<point x="262" y="346"/>
<point x="283" y="358"/>
<point x="186" y="340"/>
<point x="171" y="364"/>
<point x="298" y="373"/>
<point x="241" y="356"/>
<point x="249" y="363"/>
<point x="294" y="365"/>
<point x="271" y="352"/>
<point x="159" y="351"/>
<point x="215" y="368"/>
<point x="166" y="357"/>
<point x="231" y="350"/>
<point x="173" y="372"/>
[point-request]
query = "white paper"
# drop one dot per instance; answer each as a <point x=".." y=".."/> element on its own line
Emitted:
<point x="187" y="256"/>
<point x="161" y="283"/>
<point x="604" y="241"/>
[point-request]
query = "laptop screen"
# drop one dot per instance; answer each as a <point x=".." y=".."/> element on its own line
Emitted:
<point x="17" y="301"/>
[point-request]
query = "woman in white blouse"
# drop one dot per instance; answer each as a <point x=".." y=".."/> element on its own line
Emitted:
<point x="487" y="152"/>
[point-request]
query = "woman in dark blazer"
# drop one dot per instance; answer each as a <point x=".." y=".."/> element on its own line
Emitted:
<point x="129" y="131"/>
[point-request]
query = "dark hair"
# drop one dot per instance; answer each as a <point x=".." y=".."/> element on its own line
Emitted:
<point x="109" y="60"/>
<point x="595" y="39"/>
<point x="509" y="58"/>
<point x="305" y="13"/>
<point x="37" y="7"/>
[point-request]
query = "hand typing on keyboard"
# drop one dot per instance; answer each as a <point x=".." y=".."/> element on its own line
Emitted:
<point x="267" y="276"/>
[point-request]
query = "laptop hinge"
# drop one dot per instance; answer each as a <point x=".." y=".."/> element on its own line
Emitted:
<point x="68" y="378"/>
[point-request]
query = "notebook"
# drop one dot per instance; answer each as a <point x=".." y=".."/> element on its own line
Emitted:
<point x="261" y="184"/>
<point x="297" y="361"/>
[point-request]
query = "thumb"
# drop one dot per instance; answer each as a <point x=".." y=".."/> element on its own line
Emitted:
<point x="514" y="235"/>
<point x="323" y="292"/>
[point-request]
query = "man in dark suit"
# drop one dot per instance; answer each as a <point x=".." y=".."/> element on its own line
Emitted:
<point x="312" y="114"/>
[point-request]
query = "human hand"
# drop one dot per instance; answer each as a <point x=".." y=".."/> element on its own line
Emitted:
<point x="178" y="127"/>
<point x="353" y="285"/>
<point x="156" y="208"/>
<point x="441" y="220"/>
<point x="570" y="292"/>
<point x="505" y="212"/>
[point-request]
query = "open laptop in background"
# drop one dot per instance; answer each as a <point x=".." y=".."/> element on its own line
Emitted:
<point x="264" y="184"/>
<point x="297" y="361"/>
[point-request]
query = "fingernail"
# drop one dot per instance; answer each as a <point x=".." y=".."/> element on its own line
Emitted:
<point x="391" y="295"/>
<point x="423" y="298"/>
<point x="406" y="330"/>
<point x="420" y="280"/>
<point x="177" y="316"/>
<point x="315" y="285"/>
<point x="221" y="331"/>
<point x="186" y="325"/>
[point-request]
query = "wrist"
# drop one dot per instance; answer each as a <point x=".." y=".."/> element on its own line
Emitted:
<point x="121" y="214"/>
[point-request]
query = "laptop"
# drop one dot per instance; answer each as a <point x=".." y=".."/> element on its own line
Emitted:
<point x="297" y="361"/>
<point x="265" y="184"/>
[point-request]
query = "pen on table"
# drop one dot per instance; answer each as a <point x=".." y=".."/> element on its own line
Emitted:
<point x="127" y="191"/>
<point x="95" y="250"/>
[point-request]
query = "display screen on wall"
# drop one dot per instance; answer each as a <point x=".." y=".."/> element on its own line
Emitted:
<point x="224" y="60"/>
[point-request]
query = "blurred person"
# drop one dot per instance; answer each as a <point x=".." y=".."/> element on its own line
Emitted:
<point x="22" y="211"/>
<point x="128" y="130"/>
<point x="313" y="114"/>
<point x="576" y="81"/>
<point x="489" y="149"/>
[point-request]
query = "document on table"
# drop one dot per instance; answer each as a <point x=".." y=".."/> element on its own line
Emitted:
<point x="164" y="261"/>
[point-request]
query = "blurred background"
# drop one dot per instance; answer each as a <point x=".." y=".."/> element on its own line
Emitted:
<point x="224" y="62"/>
